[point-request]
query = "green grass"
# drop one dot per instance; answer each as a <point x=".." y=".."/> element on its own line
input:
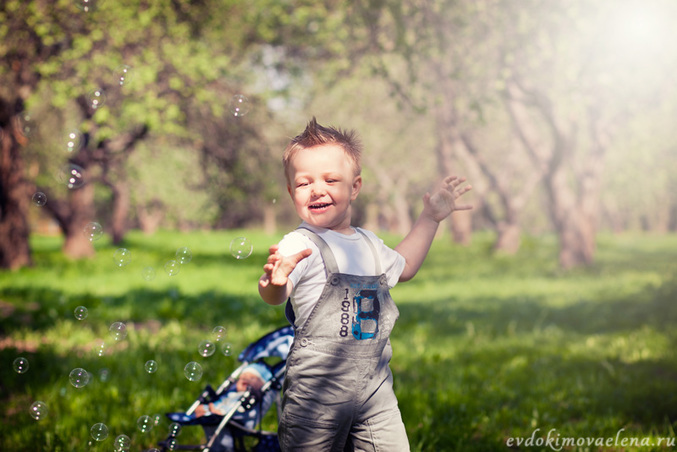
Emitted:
<point x="487" y="347"/>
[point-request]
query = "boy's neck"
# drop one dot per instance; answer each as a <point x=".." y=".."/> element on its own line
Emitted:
<point x="349" y="230"/>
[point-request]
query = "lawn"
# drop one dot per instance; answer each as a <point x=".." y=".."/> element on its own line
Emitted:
<point x="490" y="351"/>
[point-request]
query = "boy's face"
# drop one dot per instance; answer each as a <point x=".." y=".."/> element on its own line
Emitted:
<point x="323" y="185"/>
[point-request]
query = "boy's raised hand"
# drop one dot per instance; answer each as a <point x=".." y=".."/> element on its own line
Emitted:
<point x="441" y="203"/>
<point x="278" y="267"/>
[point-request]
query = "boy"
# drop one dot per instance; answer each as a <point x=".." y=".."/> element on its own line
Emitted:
<point x="338" y="388"/>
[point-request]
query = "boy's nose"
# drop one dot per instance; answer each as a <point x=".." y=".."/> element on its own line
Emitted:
<point x="317" y="190"/>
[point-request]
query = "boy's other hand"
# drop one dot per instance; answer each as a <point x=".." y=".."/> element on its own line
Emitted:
<point x="278" y="267"/>
<point x="441" y="203"/>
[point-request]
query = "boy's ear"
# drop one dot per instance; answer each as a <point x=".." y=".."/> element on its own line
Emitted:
<point x="357" y="186"/>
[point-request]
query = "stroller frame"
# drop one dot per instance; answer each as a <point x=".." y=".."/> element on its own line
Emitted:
<point x="274" y="344"/>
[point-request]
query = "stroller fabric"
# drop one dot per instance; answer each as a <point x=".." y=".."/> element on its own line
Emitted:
<point x="245" y="410"/>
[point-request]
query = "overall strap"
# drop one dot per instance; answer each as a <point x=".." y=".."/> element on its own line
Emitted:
<point x="329" y="263"/>
<point x="325" y="251"/>
<point x="377" y="261"/>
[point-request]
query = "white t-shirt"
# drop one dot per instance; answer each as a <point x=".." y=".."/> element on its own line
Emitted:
<point x="353" y="256"/>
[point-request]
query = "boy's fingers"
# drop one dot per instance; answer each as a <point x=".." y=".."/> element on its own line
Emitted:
<point x="298" y="257"/>
<point x="464" y="190"/>
<point x="454" y="181"/>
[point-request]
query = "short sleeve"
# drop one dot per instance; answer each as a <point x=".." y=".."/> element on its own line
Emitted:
<point x="392" y="262"/>
<point x="293" y="243"/>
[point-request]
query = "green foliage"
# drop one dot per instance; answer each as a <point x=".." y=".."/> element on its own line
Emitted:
<point x="185" y="61"/>
<point x="486" y="348"/>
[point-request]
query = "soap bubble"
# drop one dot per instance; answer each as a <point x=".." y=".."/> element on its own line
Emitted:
<point x="38" y="410"/>
<point x="239" y="105"/>
<point x="122" y="443"/>
<point x="172" y="444"/>
<point x="172" y="267"/>
<point x="20" y="365"/>
<point x="144" y="423"/>
<point x="183" y="255"/>
<point x="148" y="273"/>
<point x="157" y="418"/>
<point x="174" y="429"/>
<point x="99" y="431"/>
<point x="80" y="313"/>
<point x="219" y="332"/>
<point x="193" y="371"/>
<point x="73" y="141"/>
<point x="79" y="377"/>
<point x="93" y="231"/>
<point x="151" y="366"/>
<point x="118" y="331"/>
<point x="96" y="98"/>
<point x="241" y="248"/>
<point x="72" y="175"/>
<point x="100" y="346"/>
<point x="123" y="74"/>
<point x="104" y="375"/>
<point x="86" y="5"/>
<point x="206" y="348"/>
<point x="27" y="124"/>
<point x="39" y="199"/>
<point x="227" y="349"/>
<point x="122" y="257"/>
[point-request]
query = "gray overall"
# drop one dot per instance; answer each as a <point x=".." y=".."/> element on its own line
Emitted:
<point x="338" y="393"/>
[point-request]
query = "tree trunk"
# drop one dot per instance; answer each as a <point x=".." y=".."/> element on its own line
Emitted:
<point x="120" y="212"/>
<point x="150" y="215"/>
<point x="509" y="238"/>
<point x="81" y="204"/>
<point x="507" y="224"/>
<point x="448" y="140"/>
<point x="371" y="217"/>
<point x="270" y="218"/>
<point x="577" y="242"/>
<point x="574" y="216"/>
<point x="14" y="196"/>
<point x="572" y="182"/>
<point x="402" y="215"/>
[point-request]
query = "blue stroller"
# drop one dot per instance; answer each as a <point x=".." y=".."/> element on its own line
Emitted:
<point x="226" y="428"/>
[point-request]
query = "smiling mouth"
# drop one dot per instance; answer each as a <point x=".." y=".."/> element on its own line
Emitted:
<point x="318" y="206"/>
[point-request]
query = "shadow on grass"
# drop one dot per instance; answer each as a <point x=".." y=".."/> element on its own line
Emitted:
<point x="518" y="364"/>
<point x="37" y="309"/>
<point x="163" y="325"/>
<point x="653" y="307"/>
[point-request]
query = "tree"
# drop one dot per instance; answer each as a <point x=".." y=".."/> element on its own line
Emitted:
<point x="18" y="46"/>
<point x="569" y="96"/>
<point x="560" y="71"/>
<point x="14" y="191"/>
<point x="147" y="64"/>
<point x="440" y="59"/>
